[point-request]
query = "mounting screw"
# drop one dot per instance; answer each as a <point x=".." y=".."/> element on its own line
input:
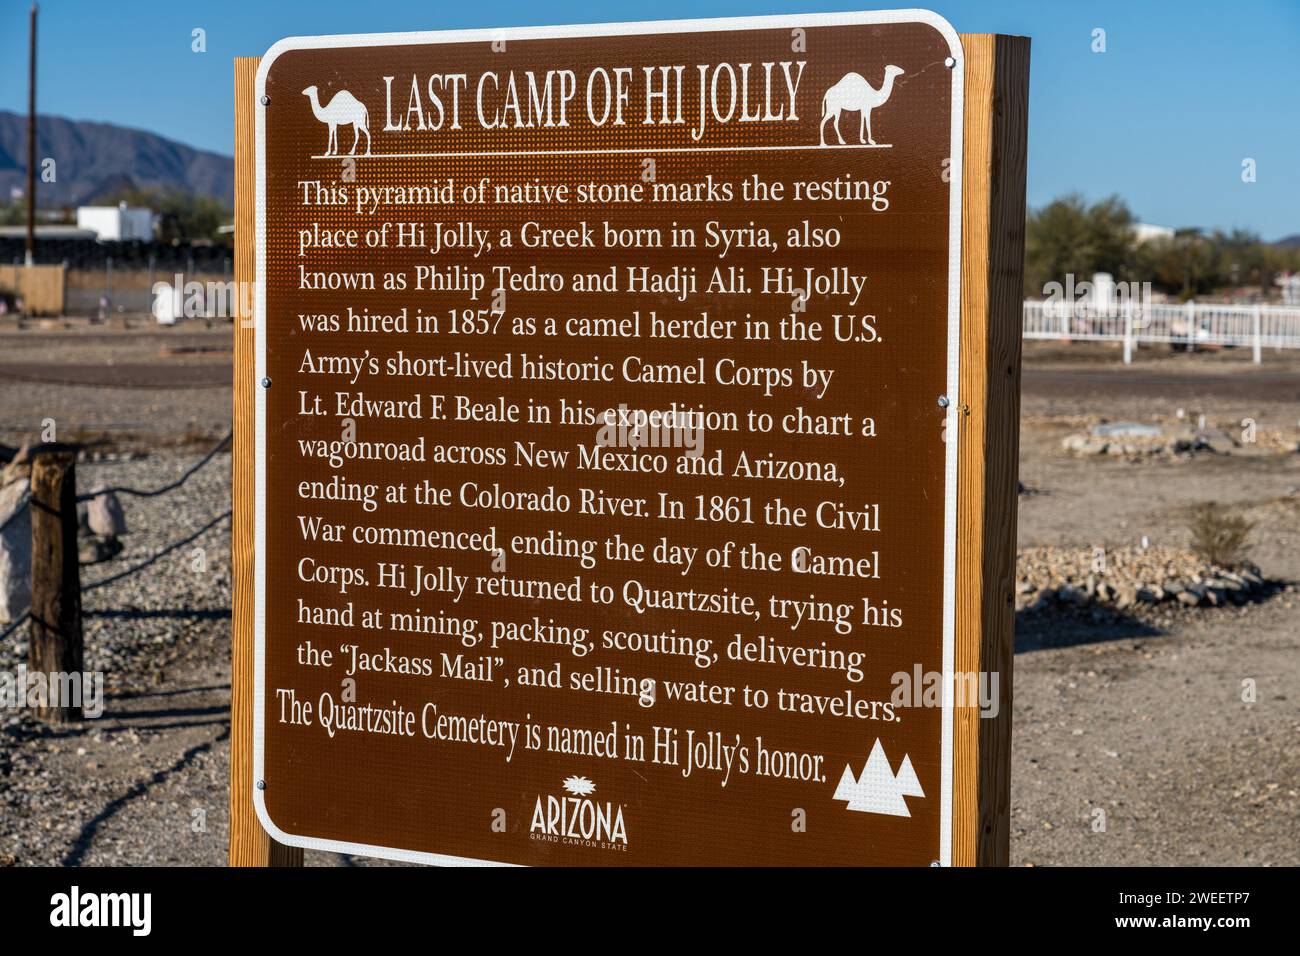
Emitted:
<point x="266" y="383"/>
<point x="266" y="100"/>
<point x="943" y="400"/>
<point x="261" y="785"/>
<point x="949" y="62"/>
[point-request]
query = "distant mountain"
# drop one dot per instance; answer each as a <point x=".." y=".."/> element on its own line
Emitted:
<point x="94" y="159"/>
<point x="1290" y="242"/>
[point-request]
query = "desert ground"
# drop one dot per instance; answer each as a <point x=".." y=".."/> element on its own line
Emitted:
<point x="1152" y="730"/>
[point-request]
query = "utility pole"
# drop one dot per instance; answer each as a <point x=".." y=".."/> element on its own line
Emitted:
<point x="31" y="144"/>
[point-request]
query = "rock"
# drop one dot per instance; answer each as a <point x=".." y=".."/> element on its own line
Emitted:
<point x="1150" y="595"/>
<point x="1046" y="598"/>
<point x="104" y="515"/>
<point x="1072" y="595"/>
<point x="19" y="466"/>
<point x="15" y="551"/>
<point x="1136" y="441"/>
<point x="98" y="548"/>
<point x="1126" y="430"/>
<point x="1082" y="444"/>
<point x="1216" y="440"/>
<point x="1150" y="576"/>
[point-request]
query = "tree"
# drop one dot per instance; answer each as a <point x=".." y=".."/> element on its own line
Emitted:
<point x="14" y="213"/>
<point x="1185" y="264"/>
<point x="1070" y="237"/>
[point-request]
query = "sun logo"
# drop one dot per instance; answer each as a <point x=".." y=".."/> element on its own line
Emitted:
<point x="579" y="786"/>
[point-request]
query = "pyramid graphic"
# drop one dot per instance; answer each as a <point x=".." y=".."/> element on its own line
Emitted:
<point x="879" y="789"/>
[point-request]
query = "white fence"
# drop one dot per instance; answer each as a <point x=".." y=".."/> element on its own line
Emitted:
<point x="1189" y="324"/>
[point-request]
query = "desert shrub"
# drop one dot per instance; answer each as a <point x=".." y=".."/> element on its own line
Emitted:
<point x="1219" y="537"/>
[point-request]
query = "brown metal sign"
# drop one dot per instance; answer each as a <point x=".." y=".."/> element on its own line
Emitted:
<point x="605" y="511"/>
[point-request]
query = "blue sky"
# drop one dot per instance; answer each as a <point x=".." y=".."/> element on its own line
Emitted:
<point x="1184" y="92"/>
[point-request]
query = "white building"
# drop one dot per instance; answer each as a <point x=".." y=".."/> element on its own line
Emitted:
<point x="112" y="223"/>
<point x="1290" y="284"/>
<point x="1145" y="232"/>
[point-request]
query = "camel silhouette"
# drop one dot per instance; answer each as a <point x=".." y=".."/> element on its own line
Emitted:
<point x="343" y="110"/>
<point x="853" y="93"/>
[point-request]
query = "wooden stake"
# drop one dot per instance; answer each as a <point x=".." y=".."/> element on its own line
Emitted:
<point x="993" y="247"/>
<point x="55" y="645"/>
<point x="249" y="844"/>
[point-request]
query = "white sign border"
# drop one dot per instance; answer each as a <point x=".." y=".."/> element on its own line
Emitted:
<point x="940" y="24"/>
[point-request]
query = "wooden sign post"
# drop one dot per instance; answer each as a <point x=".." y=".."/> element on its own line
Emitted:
<point x="993" y="255"/>
<point x="626" y="444"/>
<point x="249" y="844"/>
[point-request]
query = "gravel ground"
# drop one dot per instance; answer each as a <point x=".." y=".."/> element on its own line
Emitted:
<point x="1141" y="751"/>
<point x="146" y="782"/>
<point x="1133" y="744"/>
<point x="176" y="385"/>
<point x="1140" y="714"/>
